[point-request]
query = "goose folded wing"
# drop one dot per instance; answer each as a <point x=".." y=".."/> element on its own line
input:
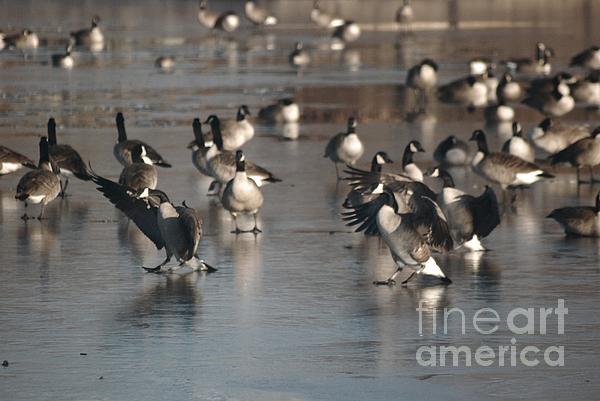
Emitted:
<point x="139" y="210"/>
<point x="191" y="221"/>
<point x="485" y="211"/>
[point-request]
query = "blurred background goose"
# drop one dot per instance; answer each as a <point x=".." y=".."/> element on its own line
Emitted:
<point x="299" y="57"/>
<point x="554" y="104"/>
<point x="348" y="32"/>
<point x="479" y="65"/>
<point x="468" y="91"/>
<point x="64" y="60"/>
<point x="422" y="77"/>
<point x="141" y="173"/>
<point x="405" y="14"/>
<point x="587" y="90"/>
<point x="91" y="37"/>
<point x="123" y="147"/>
<point x="286" y="110"/>
<point x="508" y="89"/>
<point x="67" y="159"/>
<point x="540" y="64"/>
<point x="234" y="133"/>
<point x="470" y="218"/>
<point x="582" y="221"/>
<point x="165" y="63"/>
<point x="11" y="161"/>
<point x="583" y="153"/>
<point x="518" y="146"/>
<point x="322" y="19"/>
<point x="258" y="15"/>
<point x="345" y="147"/>
<point x="26" y="39"/>
<point x="589" y="58"/>
<point x="552" y="136"/>
<point x="409" y="168"/>
<point x="452" y="152"/>
<point x="241" y="195"/>
<point x="40" y="185"/>
<point x="227" y="21"/>
<point x="178" y="229"/>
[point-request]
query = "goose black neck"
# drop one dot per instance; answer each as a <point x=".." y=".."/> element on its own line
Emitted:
<point x="375" y="167"/>
<point x="241" y="116"/>
<point x="407" y="158"/>
<point x="482" y="144"/>
<point x="215" y="127"/>
<point x="598" y="202"/>
<point x="240" y="165"/>
<point x="198" y="137"/>
<point x="446" y="179"/>
<point x="121" y="128"/>
<point x="51" y="131"/>
<point x="44" y="152"/>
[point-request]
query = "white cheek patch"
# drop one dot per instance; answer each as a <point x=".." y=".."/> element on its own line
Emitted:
<point x="435" y="173"/>
<point x="144" y="194"/>
<point x="413" y="148"/>
<point x="380" y="160"/>
<point x="378" y="189"/>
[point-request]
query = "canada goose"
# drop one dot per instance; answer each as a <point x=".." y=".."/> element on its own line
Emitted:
<point x="469" y="91"/>
<point x="452" y="152"/>
<point x="555" y="104"/>
<point x="176" y="228"/>
<point x="588" y="90"/>
<point x="258" y="15"/>
<point x="299" y="57"/>
<point x="141" y="173"/>
<point x="242" y="195"/>
<point x="322" y="19"/>
<point x="470" y="218"/>
<point x="553" y="137"/>
<point x="518" y="146"/>
<point x="236" y="133"/>
<point x="345" y="147"/>
<point x="499" y="113"/>
<point x="582" y="221"/>
<point x="546" y="85"/>
<point x="222" y="163"/>
<point x="91" y="37"/>
<point x="40" y="185"/>
<point x="165" y="63"/>
<point x="67" y="159"/>
<point x="422" y="76"/>
<point x="26" y="39"/>
<point x="390" y="216"/>
<point x="199" y="149"/>
<point x="589" y="58"/>
<point x="64" y="60"/>
<point x="502" y="168"/>
<point x="583" y="153"/>
<point x="539" y="65"/>
<point x="479" y="66"/>
<point x="508" y="89"/>
<point x="227" y="21"/>
<point x="409" y="168"/>
<point x="11" y="161"/>
<point x="348" y="32"/>
<point x="123" y="147"/>
<point x="286" y="110"/>
<point x="405" y="14"/>
<point x="358" y="197"/>
<point x="491" y="83"/>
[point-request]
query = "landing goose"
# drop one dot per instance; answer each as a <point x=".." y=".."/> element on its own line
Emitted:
<point x="589" y="58"/>
<point x="40" y="185"/>
<point x="452" y="152"/>
<point x="345" y="147"/>
<point x="405" y="14"/>
<point x="508" y="89"/>
<point x="518" y="146"/>
<point x="390" y="216"/>
<point x="227" y="21"/>
<point x="470" y="218"/>
<point x="285" y="111"/>
<point x="26" y="39"/>
<point x="555" y="104"/>
<point x="583" y="153"/>
<point x="67" y="159"/>
<point x="178" y="229"/>
<point x="358" y="197"/>
<point x="141" y="173"/>
<point x="258" y="15"/>
<point x="409" y="168"/>
<point x="242" y="195"/>
<point x="322" y="19"/>
<point x="235" y="133"/>
<point x="123" y="147"/>
<point x="553" y="137"/>
<point x="64" y="60"/>
<point x="469" y="91"/>
<point x="582" y="221"/>
<point x="588" y="90"/>
<point x="222" y="163"/>
<point x="11" y="161"/>
<point x="199" y="149"/>
<point x="502" y="168"/>
<point x="91" y="37"/>
<point x="299" y="57"/>
<point x="422" y="76"/>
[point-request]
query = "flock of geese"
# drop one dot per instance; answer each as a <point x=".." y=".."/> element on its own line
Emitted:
<point x="412" y="219"/>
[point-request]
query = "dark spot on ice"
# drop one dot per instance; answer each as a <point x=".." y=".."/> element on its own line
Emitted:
<point x="5" y="363"/>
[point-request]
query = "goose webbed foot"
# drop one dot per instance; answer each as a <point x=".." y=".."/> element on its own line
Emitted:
<point x="156" y="270"/>
<point x="446" y="281"/>
<point x="207" y="268"/>
<point x="405" y="282"/>
<point x="256" y="230"/>
<point x="389" y="282"/>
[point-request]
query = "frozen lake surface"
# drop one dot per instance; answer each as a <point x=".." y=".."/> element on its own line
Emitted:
<point x="292" y="313"/>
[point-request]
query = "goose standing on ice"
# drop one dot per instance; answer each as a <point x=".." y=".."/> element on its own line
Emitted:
<point x="40" y="185"/>
<point x="452" y="152"/>
<point x="241" y="195"/>
<point x="26" y="39"/>
<point x="508" y="89"/>
<point x="470" y="218"/>
<point x="299" y="57"/>
<point x="553" y="137"/>
<point x="405" y="15"/>
<point x="91" y="37"/>
<point x="141" y="173"/>
<point x="409" y="168"/>
<point x="285" y="111"/>
<point x="11" y="161"/>
<point x="123" y="147"/>
<point x="518" y="146"/>
<point x="422" y="77"/>
<point x="348" y="32"/>
<point x="589" y="58"/>
<point x="227" y="21"/>
<point x="582" y="221"/>
<point x="345" y="147"/>
<point x="390" y="216"/>
<point x="178" y="229"/>
<point x="468" y="91"/>
<point x="322" y="19"/>
<point x="67" y="159"/>
<point x="64" y="60"/>
<point x="258" y="15"/>
<point x="583" y="153"/>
